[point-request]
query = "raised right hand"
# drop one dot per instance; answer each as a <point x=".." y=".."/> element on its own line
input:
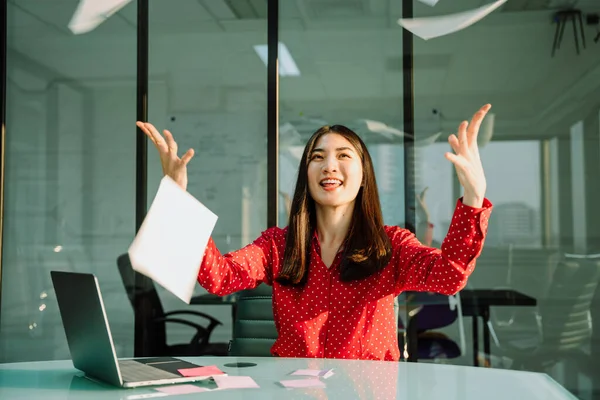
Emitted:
<point x="172" y="165"/>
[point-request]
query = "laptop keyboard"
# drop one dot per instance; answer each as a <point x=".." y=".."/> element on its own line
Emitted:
<point x="133" y="371"/>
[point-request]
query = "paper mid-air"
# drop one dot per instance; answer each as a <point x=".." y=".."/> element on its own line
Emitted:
<point x="431" y="27"/>
<point x="91" y="13"/>
<point x="170" y="244"/>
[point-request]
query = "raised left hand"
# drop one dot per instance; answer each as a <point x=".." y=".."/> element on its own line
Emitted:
<point x="466" y="159"/>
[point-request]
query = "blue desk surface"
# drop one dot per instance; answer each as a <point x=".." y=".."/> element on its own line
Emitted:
<point x="352" y="380"/>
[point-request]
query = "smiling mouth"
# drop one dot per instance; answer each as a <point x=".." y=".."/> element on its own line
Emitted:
<point x="330" y="183"/>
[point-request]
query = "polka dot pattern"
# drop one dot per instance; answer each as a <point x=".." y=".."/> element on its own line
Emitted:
<point x="328" y="318"/>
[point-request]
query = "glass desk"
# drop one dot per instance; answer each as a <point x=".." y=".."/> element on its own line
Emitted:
<point x="351" y="380"/>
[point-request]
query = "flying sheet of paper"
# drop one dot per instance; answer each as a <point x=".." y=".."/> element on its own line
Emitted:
<point x="429" y="2"/>
<point x="432" y="27"/>
<point x="91" y="13"/>
<point x="170" y="244"/>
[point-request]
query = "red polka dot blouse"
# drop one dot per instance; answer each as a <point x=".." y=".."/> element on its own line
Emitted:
<point x="328" y="318"/>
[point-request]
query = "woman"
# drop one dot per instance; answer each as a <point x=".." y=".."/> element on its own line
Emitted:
<point x="336" y="269"/>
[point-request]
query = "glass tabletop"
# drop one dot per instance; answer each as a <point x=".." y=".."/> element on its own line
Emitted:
<point x="351" y="379"/>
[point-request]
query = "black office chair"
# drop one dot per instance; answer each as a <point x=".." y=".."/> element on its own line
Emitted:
<point x="562" y="318"/>
<point x="153" y="319"/>
<point x="254" y="331"/>
<point x="432" y="344"/>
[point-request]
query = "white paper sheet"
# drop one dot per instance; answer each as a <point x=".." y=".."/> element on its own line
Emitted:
<point x="235" y="382"/>
<point x="429" y="2"/>
<point x="318" y="373"/>
<point x="304" y="383"/>
<point x="432" y="27"/>
<point x="91" y="13"/>
<point x="170" y="244"/>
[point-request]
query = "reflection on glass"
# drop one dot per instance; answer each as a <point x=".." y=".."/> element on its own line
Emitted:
<point x="69" y="177"/>
<point x="540" y="152"/>
<point x="350" y="75"/>
<point x="208" y="87"/>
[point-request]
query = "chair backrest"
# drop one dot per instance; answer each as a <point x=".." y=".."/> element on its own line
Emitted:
<point x="437" y="314"/>
<point x="143" y="287"/>
<point x="565" y="311"/>
<point x="254" y="329"/>
<point x="146" y="304"/>
<point x="433" y="311"/>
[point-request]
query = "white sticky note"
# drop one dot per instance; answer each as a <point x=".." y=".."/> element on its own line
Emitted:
<point x="91" y="13"/>
<point x="319" y="373"/>
<point x="170" y="244"/>
<point x="304" y="383"/>
<point x="235" y="382"/>
<point x="432" y="27"/>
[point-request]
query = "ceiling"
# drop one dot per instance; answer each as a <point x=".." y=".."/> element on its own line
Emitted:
<point x="349" y="53"/>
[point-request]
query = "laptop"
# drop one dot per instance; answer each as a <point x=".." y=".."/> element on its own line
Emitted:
<point x="91" y="344"/>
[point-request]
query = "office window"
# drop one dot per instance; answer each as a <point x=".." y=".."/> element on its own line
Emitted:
<point x="208" y="86"/>
<point x="539" y="146"/>
<point x="342" y="66"/>
<point x="70" y="171"/>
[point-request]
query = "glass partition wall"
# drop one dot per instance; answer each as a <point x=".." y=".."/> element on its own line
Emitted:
<point x="72" y="189"/>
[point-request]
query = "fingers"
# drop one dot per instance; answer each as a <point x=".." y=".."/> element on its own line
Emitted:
<point x="453" y="140"/>
<point x="453" y="158"/>
<point x="153" y="134"/>
<point x="476" y="123"/>
<point x="463" y="140"/>
<point x="170" y="142"/>
<point x="143" y="128"/>
<point x="156" y="136"/>
<point x="187" y="156"/>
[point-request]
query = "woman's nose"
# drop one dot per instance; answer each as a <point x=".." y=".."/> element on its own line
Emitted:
<point x="330" y="165"/>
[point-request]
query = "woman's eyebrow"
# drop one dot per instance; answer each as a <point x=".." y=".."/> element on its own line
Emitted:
<point x="338" y="149"/>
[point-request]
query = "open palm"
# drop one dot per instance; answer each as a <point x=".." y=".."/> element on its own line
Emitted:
<point x="172" y="165"/>
<point x="466" y="159"/>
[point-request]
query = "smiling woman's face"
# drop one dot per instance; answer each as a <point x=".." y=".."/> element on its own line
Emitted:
<point x="334" y="171"/>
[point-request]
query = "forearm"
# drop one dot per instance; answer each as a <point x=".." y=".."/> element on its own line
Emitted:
<point x="473" y="200"/>
<point x="446" y="270"/>
<point x="225" y="274"/>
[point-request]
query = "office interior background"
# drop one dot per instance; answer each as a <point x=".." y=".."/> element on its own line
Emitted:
<point x="70" y="148"/>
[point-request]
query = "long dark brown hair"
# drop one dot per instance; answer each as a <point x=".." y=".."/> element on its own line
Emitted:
<point x="366" y="248"/>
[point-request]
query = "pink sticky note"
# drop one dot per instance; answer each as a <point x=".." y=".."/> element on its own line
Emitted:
<point x="235" y="382"/>
<point x="181" y="389"/>
<point x="304" y="383"/>
<point x="201" y="371"/>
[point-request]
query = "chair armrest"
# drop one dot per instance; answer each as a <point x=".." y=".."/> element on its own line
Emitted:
<point x="196" y="313"/>
<point x="213" y="322"/>
<point x="180" y="321"/>
<point x="202" y="334"/>
<point x="537" y="318"/>
<point x="511" y="314"/>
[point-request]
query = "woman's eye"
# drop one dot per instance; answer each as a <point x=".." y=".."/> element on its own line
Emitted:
<point x="317" y="157"/>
